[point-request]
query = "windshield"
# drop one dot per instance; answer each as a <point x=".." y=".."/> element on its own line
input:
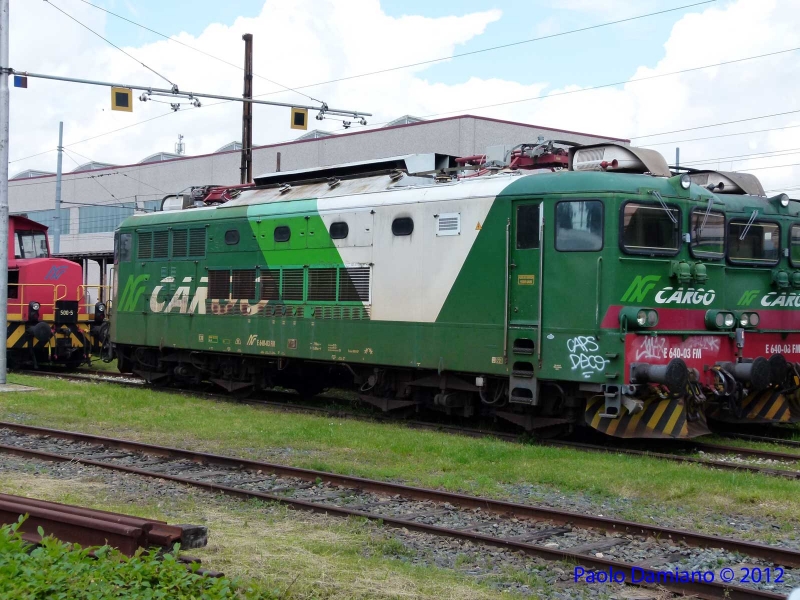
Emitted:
<point x="32" y="244"/>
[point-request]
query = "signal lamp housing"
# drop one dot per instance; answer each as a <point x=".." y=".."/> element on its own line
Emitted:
<point x="634" y="317"/>
<point x="748" y="320"/>
<point x="721" y="319"/>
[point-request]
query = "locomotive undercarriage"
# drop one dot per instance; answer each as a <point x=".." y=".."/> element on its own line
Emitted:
<point x="679" y="409"/>
<point x="388" y="389"/>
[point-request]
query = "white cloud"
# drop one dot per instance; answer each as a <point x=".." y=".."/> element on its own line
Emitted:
<point x="317" y="40"/>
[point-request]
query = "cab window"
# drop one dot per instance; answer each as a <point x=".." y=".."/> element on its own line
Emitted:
<point x="754" y="243"/>
<point x="650" y="229"/>
<point x="122" y="247"/>
<point x="708" y="234"/>
<point x="794" y="241"/>
<point x="32" y="244"/>
<point x="527" y="226"/>
<point x="579" y="226"/>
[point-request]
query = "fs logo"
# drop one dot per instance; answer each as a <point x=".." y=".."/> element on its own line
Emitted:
<point x="640" y="287"/>
<point x="134" y="289"/>
<point x="55" y="273"/>
<point x="252" y="339"/>
<point x="747" y="298"/>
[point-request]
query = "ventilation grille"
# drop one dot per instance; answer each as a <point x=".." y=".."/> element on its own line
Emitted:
<point x="180" y="238"/>
<point x="322" y="285"/>
<point x="282" y="310"/>
<point x="354" y="284"/>
<point x="244" y="284"/>
<point x="270" y="285"/>
<point x="219" y="285"/>
<point x="448" y="224"/>
<point x="197" y="242"/>
<point x="293" y="284"/>
<point x="356" y="313"/>
<point x="145" y="242"/>
<point x="161" y="244"/>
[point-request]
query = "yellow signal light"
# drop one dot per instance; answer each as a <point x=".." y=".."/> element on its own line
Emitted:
<point x="122" y="99"/>
<point x="299" y="118"/>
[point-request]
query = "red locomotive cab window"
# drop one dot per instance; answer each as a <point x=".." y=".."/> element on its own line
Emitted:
<point x="32" y="244"/>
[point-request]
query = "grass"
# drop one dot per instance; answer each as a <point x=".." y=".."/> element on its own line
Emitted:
<point x="278" y="552"/>
<point x="394" y="452"/>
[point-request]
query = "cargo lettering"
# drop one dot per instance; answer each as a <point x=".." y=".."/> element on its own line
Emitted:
<point x="670" y="295"/>
<point x="783" y="299"/>
<point x="180" y="299"/>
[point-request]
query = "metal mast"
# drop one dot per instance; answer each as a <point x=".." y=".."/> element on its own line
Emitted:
<point x="4" y="137"/>
<point x="247" y="112"/>
<point x="57" y="220"/>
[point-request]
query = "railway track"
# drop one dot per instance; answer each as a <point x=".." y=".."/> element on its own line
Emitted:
<point x="677" y="451"/>
<point x="594" y="543"/>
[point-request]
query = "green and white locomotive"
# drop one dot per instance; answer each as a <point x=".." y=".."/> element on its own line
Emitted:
<point x="547" y="286"/>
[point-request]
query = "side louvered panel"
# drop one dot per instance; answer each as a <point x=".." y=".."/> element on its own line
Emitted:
<point x="197" y="242"/>
<point x="219" y="285"/>
<point x="243" y="282"/>
<point x="180" y="240"/>
<point x="354" y="284"/>
<point x="292" y="284"/>
<point x="161" y="244"/>
<point x="270" y="285"/>
<point x="145" y="244"/>
<point x="322" y="284"/>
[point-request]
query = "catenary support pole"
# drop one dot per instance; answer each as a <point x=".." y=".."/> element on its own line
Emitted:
<point x="4" y="137"/>
<point x="247" y="112"/>
<point x="57" y="219"/>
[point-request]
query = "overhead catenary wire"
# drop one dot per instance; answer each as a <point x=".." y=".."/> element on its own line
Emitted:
<point x="222" y="60"/>
<point x="740" y="157"/>
<point x="723" y="135"/>
<point x="109" y="42"/>
<point x="513" y="101"/>
<point x="498" y="47"/>
<point x="120" y="172"/>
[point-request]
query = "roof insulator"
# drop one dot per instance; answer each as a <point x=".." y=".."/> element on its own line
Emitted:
<point x="396" y="175"/>
<point x="333" y="182"/>
<point x="284" y="188"/>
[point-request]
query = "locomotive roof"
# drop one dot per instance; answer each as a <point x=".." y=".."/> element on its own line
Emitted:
<point x="371" y="190"/>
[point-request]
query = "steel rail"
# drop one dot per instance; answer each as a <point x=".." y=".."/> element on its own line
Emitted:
<point x="98" y="376"/>
<point x="706" y="462"/>
<point x="766" y="440"/>
<point x="712" y="590"/>
<point x="500" y="507"/>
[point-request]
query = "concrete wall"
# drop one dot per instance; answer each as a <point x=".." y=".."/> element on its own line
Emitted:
<point x="459" y="136"/>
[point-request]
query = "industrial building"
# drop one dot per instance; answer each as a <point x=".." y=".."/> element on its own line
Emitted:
<point x="97" y="196"/>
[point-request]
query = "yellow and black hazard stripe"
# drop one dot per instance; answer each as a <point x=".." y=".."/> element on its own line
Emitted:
<point x="767" y="406"/>
<point x="657" y="419"/>
<point x="17" y="336"/>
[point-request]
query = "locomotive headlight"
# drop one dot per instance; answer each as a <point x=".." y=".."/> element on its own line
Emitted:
<point x="34" y="306"/>
<point x="99" y="312"/>
<point x="637" y="318"/>
<point x="686" y="181"/>
<point x="720" y="319"/>
<point x="749" y="320"/>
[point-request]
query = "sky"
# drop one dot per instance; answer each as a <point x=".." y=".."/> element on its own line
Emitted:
<point x="302" y="42"/>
